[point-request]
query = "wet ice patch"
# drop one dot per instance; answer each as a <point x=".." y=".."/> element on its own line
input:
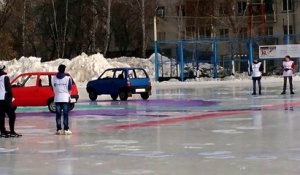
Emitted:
<point x="261" y="157"/>
<point x="46" y="142"/>
<point x="5" y="150"/>
<point x="132" y="172"/>
<point x="228" y="131"/>
<point x="52" y="151"/>
<point x="217" y="155"/>
<point x="248" y="128"/>
<point x="122" y="148"/>
<point x="127" y="120"/>
<point x="147" y="154"/>
<point x="235" y="119"/>
<point x="86" y="145"/>
<point x="68" y="159"/>
<point x="30" y="131"/>
<point x="123" y="142"/>
<point x="25" y="127"/>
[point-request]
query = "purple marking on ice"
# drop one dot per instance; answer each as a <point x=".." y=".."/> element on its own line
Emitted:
<point x="162" y="102"/>
<point x="130" y="111"/>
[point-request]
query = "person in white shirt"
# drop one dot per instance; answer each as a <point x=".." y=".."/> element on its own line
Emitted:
<point x="6" y="106"/>
<point x="288" y="67"/>
<point x="62" y="85"/>
<point x="256" y="69"/>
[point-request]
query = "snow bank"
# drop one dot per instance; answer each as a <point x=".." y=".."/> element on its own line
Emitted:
<point x="82" y="68"/>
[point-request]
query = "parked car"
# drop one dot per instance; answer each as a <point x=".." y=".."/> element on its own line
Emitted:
<point x="34" y="89"/>
<point x="122" y="83"/>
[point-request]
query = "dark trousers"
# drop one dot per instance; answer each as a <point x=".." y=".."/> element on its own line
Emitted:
<point x="7" y="108"/>
<point x="254" y="79"/>
<point x="62" y="108"/>
<point x="290" y="82"/>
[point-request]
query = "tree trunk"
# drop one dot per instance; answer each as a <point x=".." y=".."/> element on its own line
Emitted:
<point x="107" y="42"/>
<point x="144" y="29"/>
<point x="65" y="29"/>
<point x="24" y="27"/>
<point x="55" y="30"/>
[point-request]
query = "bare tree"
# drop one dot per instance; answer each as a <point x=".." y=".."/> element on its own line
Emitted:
<point x="108" y="30"/>
<point x="55" y="30"/>
<point x="65" y="28"/>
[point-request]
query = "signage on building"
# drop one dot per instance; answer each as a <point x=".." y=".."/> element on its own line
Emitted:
<point x="279" y="51"/>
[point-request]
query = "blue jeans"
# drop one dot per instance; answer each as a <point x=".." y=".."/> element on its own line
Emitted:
<point x="59" y="108"/>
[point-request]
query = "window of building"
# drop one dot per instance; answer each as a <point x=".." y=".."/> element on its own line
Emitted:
<point x="243" y="32"/>
<point x="287" y="3"/>
<point x="285" y="29"/>
<point x="224" y="33"/>
<point x="242" y="5"/>
<point x="161" y="11"/>
<point x="180" y="10"/>
<point x="161" y="36"/>
<point x="269" y="30"/>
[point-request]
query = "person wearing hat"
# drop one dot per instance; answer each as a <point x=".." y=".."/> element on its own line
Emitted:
<point x="256" y="69"/>
<point x="62" y="85"/>
<point x="6" y="105"/>
<point x="288" y="67"/>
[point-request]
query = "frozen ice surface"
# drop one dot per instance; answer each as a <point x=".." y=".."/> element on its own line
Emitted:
<point x="205" y="128"/>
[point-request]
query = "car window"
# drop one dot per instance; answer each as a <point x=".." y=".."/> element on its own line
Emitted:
<point x="120" y="74"/>
<point x="107" y="74"/>
<point x="140" y="73"/>
<point x="26" y="81"/>
<point x="131" y="73"/>
<point x="44" y="81"/>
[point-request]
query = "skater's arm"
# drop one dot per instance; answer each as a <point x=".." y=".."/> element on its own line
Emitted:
<point x="8" y="87"/>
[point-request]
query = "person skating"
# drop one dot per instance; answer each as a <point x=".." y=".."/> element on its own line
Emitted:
<point x="288" y="67"/>
<point x="62" y="85"/>
<point x="256" y="69"/>
<point x="6" y="107"/>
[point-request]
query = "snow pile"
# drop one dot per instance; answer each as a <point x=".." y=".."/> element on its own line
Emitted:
<point x="82" y="68"/>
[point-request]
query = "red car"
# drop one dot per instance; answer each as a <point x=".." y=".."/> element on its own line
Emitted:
<point x="34" y="89"/>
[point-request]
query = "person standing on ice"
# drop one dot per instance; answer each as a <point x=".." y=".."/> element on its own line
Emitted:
<point x="62" y="85"/>
<point x="288" y="67"/>
<point x="256" y="69"/>
<point x="6" y="106"/>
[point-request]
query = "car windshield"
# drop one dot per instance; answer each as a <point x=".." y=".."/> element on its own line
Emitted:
<point x="107" y="74"/>
<point x="26" y="81"/>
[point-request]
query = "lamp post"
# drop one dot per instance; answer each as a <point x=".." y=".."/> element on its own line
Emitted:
<point x="288" y="23"/>
<point x="155" y="48"/>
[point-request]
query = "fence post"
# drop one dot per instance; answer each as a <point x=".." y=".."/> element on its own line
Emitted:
<point x="250" y="55"/>
<point x="215" y="44"/>
<point x="155" y="50"/>
<point x="181" y="60"/>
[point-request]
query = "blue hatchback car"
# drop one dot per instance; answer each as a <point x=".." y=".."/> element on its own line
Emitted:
<point x="120" y="82"/>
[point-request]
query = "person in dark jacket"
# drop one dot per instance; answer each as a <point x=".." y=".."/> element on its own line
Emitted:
<point x="6" y="107"/>
<point x="256" y="69"/>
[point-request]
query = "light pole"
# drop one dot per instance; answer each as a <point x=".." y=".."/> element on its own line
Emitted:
<point x="288" y="22"/>
<point x="155" y="49"/>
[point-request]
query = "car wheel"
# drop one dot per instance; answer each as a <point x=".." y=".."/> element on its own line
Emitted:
<point x="72" y="105"/>
<point x="51" y="106"/>
<point x="114" y="96"/>
<point x="92" y="95"/>
<point x="145" y="95"/>
<point x="123" y="95"/>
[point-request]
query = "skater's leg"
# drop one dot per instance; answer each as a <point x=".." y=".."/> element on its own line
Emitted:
<point x="66" y="115"/>
<point x="284" y="85"/>
<point x="259" y="85"/>
<point x="58" y="116"/>
<point x="254" y="85"/>
<point x="291" y="84"/>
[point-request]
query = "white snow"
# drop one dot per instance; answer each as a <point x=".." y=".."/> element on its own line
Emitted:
<point x="84" y="67"/>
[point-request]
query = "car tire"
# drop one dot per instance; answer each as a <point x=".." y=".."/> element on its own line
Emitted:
<point x="145" y="96"/>
<point x="114" y="96"/>
<point x="123" y="95"/>
<point x="72" y="106"/>
<point x="51" y="106"/>
<point x="93" y="95"/>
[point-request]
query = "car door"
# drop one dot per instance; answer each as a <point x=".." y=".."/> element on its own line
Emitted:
<point x="44" y="89"/>
<point x="103" y="84"/>
<point x="25" y="90"/>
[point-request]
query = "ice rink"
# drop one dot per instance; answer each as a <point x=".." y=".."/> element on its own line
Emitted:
<point x="210" y="128"/>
